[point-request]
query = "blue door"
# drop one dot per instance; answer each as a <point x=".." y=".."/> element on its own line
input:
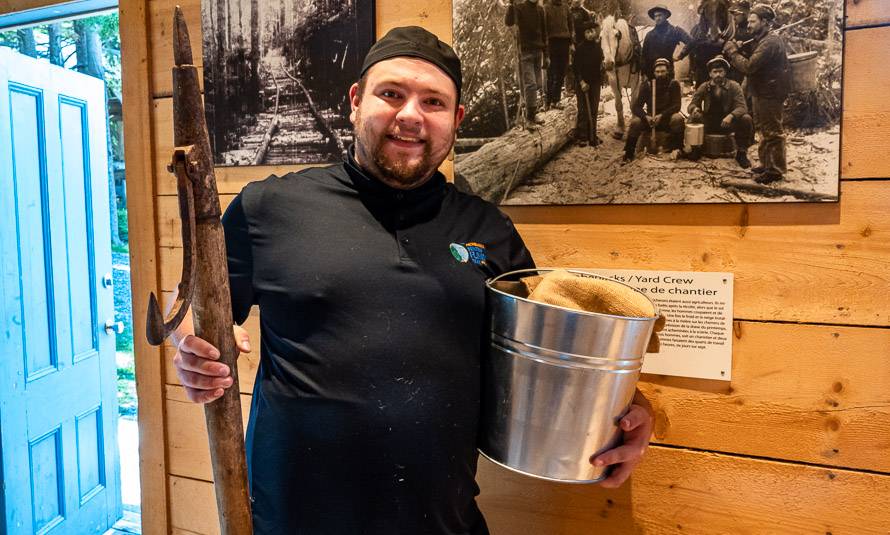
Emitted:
<point x="58" y="407"/>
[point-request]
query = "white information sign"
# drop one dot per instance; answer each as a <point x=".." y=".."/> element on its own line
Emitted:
<point x="697" y="337"/>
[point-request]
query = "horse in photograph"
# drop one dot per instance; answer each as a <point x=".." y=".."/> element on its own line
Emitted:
<point x="621" y="61"/>
<point x="715" y="26"/>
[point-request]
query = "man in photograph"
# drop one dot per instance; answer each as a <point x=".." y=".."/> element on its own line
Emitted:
<point x="661" y="42"/>
<point x="657" y="109"/>
<point x="587" y="66"/>
<point x="719" y="104"/>
<point x="740" y="11"/>
<point x="559" y="40"/>
<point x="365" y="410"/>
<point x="579" y="16"/>
<point x="530" y="19"/>
<point x="768" y="73"/>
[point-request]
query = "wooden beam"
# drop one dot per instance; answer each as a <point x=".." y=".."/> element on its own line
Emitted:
<point x="144" y="274"/>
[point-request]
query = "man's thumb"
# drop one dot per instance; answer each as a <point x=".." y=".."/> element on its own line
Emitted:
<point x="242" y="339"/>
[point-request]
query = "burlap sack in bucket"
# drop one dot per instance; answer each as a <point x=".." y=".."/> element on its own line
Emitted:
<point x="591" y="294"/>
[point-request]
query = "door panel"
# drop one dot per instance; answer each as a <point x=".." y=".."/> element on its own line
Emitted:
<point x="58" y="405"/>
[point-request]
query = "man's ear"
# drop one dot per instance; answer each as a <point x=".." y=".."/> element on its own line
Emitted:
<point x="354" y="100"/>
<point x="459" y="116"/>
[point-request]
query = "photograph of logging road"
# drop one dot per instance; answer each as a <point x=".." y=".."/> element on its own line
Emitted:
<point x="524" y="144"/>
<point x="276" y="76"/>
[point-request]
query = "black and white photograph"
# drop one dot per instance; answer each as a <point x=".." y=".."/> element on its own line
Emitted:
<point x="650" y="102"/>
<point x="276" y="77"/>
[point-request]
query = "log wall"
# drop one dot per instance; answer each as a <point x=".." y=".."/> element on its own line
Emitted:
<point x="798" y="442"/>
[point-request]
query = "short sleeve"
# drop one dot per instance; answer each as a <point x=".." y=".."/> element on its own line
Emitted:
<point x="240" y="260"/>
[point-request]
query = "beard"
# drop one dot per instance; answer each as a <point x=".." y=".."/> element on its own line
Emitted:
<point x="404" y="172"/>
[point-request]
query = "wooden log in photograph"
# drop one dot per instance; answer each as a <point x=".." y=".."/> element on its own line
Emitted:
<point x="493" y="170"/>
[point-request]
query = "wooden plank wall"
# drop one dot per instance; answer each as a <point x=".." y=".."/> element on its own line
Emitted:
<point x="798" y="442"/>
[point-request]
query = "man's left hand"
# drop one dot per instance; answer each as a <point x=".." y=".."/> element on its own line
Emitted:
<point x="726" y="122"/>
<point x="637" y="428"/>
<point x="730" y="47"/>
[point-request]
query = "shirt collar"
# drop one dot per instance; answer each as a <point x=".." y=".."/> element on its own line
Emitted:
<point x="367" y="184"/>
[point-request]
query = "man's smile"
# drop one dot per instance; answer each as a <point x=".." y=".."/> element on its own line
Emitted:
<point x="405" y="141"/>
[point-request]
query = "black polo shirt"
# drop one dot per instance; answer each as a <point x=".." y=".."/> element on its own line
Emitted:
<point x="366" y="403"/>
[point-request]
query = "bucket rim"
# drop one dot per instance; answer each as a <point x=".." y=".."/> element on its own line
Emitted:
<point x="492" y="280"/>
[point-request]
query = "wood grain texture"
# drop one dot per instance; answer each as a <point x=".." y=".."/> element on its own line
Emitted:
<point x="138" y="154"/>
<point x="194" y="506"/>
<point x="686" y="492"/>
<point x="188" y="444"/>
<point x="866" y="119"/>
<point x="802" y="263"/>
<point x="674" y="491"/>
<point x="867" y="13"/>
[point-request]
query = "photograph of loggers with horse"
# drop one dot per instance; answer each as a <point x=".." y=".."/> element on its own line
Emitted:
<point x="650" y="101"/>
<point x="276" y="77"/>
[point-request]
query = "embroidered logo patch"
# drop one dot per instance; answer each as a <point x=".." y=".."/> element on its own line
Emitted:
<point x="468" y="252"/>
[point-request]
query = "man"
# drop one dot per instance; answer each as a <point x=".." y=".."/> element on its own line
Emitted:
<point x="664" y="116"/>
<point x="768" y="74"/>
<point x="579" y="16"/>
<point x="720" y="105"/>
<point x="662" y="41"/>
<point x="366" y="402"/>
<point x="587" y="66"/>
<point x="529" y="17"/>
<point x="740" y="11"/>
<point x="559" y="40"/>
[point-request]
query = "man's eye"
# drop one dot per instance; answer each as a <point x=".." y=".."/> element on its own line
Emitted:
<point x="435" y="102"/>
<point x="389" y="93"/>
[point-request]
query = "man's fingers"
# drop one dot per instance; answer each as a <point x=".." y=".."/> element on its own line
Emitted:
<point x="193" y="363"/>
<point x="198" y="346"/>
<point x="203" y="396"/>
<point x="621" y="454"/>
<point x="634" y="418"/>
<point x="203" y="382"/>
<point x="618" y="476"/>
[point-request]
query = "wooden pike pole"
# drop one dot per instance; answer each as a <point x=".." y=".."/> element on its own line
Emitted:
<point x="205" y="283"/>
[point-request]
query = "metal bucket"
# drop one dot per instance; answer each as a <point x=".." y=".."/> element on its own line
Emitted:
<point x="555" y="382"/>
<point x="719" y="145"/>
<point x="694" y="135"/>
<point x="804" y="70"/>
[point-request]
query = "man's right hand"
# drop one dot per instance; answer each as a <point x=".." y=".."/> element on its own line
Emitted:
<point x="205" y="379"/>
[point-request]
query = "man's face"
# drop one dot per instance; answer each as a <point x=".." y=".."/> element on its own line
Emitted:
<point x="405" y="121"/>
<point x="577" y="3"/>
<point x="756" y="24"/>
<point x="591" y="33"/>
<point x="660" y="17"/>
<point x="718" y="75"/>
<point x="661" y="72"/>
<point x="740" y="16"/>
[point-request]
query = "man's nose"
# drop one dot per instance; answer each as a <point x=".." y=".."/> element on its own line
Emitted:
<point x="410" y="114"/>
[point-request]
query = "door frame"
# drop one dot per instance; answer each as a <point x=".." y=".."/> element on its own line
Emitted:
<point x="142" y="214"/>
